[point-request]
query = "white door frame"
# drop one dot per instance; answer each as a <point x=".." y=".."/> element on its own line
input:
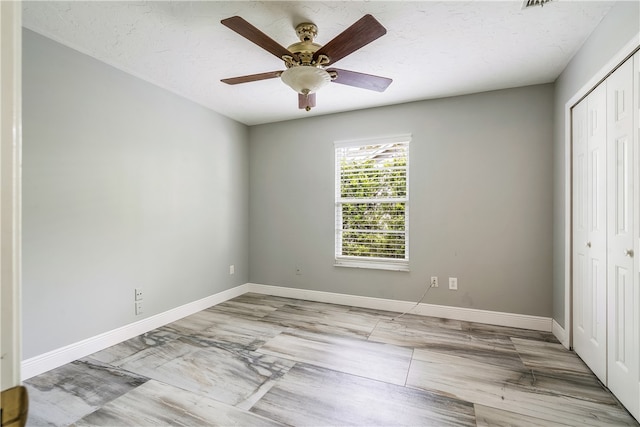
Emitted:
<point x="10" y="180"/>
<point x="567" y="335"/>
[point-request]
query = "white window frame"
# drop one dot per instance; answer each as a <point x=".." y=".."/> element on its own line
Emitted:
<point x="380" y="263"/>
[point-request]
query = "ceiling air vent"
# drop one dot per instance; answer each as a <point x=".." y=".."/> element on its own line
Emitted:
<point x="531" y="3"/>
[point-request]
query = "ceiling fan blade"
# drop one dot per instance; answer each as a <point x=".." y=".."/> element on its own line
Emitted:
<point x="361" y="33"/>
<point x="253" y="34"/>
<point x="306" y="102"/>
<point x="361" y="80"/>
<point x="251" y="78"/>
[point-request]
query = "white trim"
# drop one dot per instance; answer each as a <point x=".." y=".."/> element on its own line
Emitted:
<point x="391" y="264"/>
<point x="560" y="333"/>
<point x="11" y="204"/>
<point x="616" y="60"/>
<point x="55" y="358"/>
<point x="523" y="321"/>
<point x="378" y="140"/>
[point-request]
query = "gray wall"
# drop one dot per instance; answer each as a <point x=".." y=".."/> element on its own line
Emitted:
<point x="125" y="185"/>
<point x="614" y="32"/>
<point x="481" y="190"/>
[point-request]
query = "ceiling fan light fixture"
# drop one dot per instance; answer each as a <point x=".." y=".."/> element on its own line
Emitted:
<point x="305" y="79"/>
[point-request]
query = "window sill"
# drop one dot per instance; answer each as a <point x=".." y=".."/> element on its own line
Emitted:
<point x="373" y="264"/>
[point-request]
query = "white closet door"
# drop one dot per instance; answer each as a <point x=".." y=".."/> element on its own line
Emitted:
<point x="622" y="295"/>
<point x="636" y="210"/>
<point x="581" y="303"/>
<point x="590" y="231"/>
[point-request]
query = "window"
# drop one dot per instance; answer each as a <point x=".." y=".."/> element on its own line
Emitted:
<point x="372" y="201"/>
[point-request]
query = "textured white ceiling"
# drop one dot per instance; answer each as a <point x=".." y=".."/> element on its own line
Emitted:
<point x="432" y="49"/>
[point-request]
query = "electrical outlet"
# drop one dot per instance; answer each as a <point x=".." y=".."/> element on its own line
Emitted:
<point x="298" y="270"/>
<point x="232" y="269"/>
<point x="138" y="308"/>
<point x="453" y="283"/>
<point x="138" y="294"/>
<point x="434" y="281"/>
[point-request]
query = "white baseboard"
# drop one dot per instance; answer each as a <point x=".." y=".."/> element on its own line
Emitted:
<point x="55" y="358"/>
<point x="522" y="321"/>
<point x="561" y="334"/>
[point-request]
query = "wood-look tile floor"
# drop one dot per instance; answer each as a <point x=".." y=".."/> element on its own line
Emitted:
<point x="262" y="360"/>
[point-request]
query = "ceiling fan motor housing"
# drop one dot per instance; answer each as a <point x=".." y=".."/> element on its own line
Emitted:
<point x="305" y="48"/>
<point x="304" y="74"/>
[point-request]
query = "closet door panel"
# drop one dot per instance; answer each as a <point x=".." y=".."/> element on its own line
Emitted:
<point x="597" y="229"/>
<point x="581" y="304"/>
<point x="589" y="231"/>
<point x="622" y="294"/>
<point x="636" y="224"/>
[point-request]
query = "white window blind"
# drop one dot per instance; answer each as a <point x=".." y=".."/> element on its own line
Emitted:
<point x="372" y="200"/>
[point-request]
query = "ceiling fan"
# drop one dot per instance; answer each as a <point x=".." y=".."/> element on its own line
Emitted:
<point x="305" y="61"/>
